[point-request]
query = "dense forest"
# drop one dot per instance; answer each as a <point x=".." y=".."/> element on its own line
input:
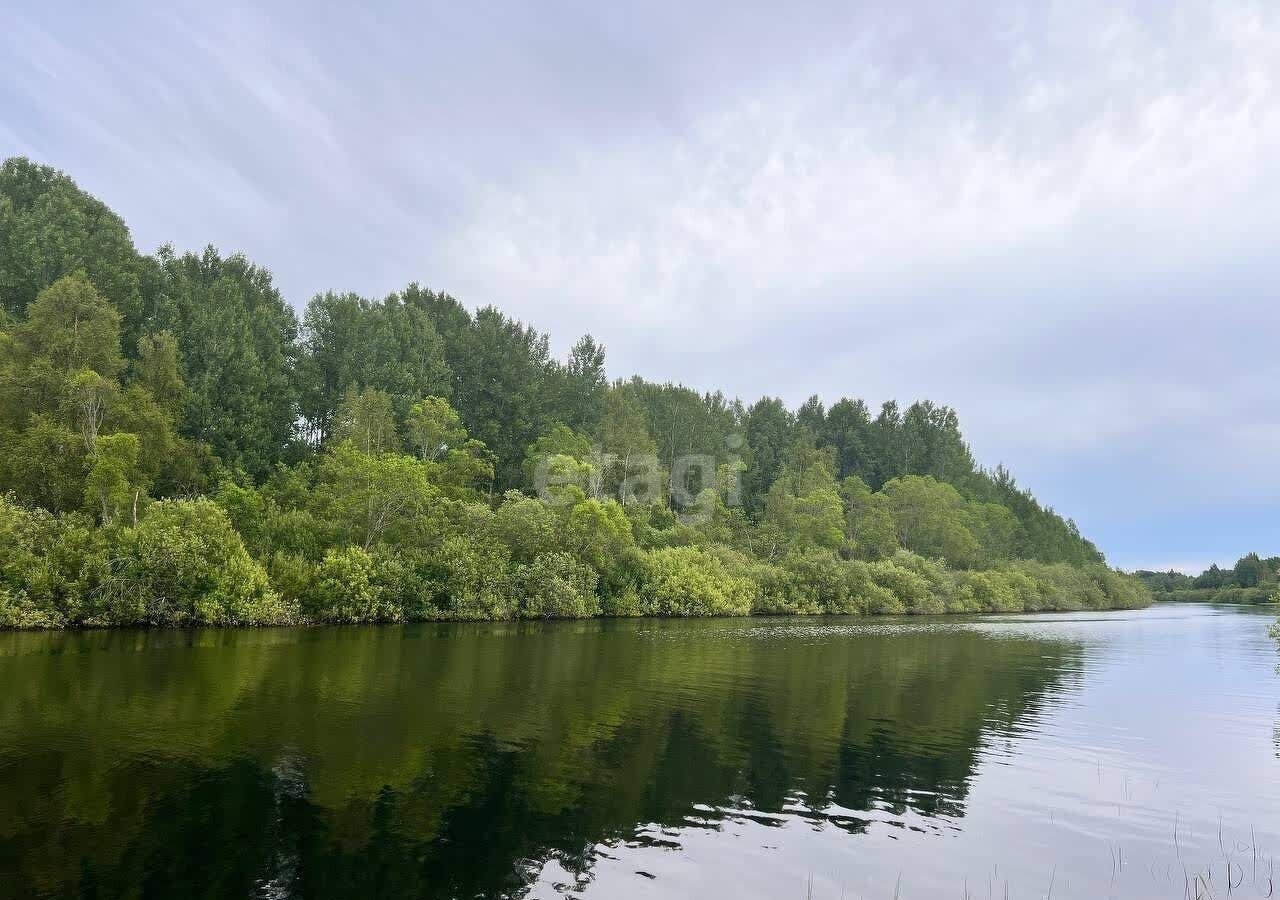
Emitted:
<point x="178" y="447"/>
<point x="1253" y="579"/>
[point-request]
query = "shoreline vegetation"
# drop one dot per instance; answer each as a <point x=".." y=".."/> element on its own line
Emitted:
<point x="178" y="448"/>
<point x="1252" y="581"/>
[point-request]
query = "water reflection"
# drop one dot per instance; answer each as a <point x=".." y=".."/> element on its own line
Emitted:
<point x="461" y="761"/>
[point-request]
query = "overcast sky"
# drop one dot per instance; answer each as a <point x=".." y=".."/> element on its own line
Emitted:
<point x="1058" y="217"/>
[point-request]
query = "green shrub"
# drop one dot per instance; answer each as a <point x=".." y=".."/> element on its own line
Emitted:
<point x="939" y="582"/>
<point x="866" y="595"/>
<point x="557" y="586"/>
<point x="527" y="526"/>
<point x="979" y="592"/>
<point x="815" y="582"/>
<point x="625" y="603"/>
<point x="185" y="565"/>
<point x="688" y="581"/>
<point x="345" y="590"/>
<point x="292" y="576"/>
<point x="405" y="576"/>
<point x="473" y="579"/>
<point x="906" y="590"/>
<point x="43" y="560"/>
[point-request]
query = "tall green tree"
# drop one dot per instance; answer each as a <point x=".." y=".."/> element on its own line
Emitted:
<point x="769" y="434"/>
<point x="368" y="495"/>
<point x="932" y="444"/>
<point x="350" y="342"/>
<point x="434" y="428"/>
<point x="683" y="422"/>
<point x="49" y="229"/>
<point x="115" y="484"/>
<point x="158" y="369"/>
<point x="633" y="471"/>
<point x="847" y="429"/>
<point x="72" y="327"/>
<point x="239" y="350"/>
<point x="812" y="415"/>
<point x="68" y="414"/>
<point x="931" y="520"/>
<point x="888" y="455"/>
<point x="582" y="384"/>
<point x="803" y="505"/>
<point x="367" y="419"/>
<point x="503" y="373"/>
<point x="869" y="522"/>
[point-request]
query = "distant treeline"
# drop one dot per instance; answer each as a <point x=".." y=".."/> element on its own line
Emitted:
<point x="1253" y="579"/>
<point x="177" y="447"/>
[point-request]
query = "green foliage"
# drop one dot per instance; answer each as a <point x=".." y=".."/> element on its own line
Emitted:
<point x="475" y="579"/>
<point x="869" y="520"/>
<point x="363" y="466"/>
<point x="582" y="384"/>
<point x="363" y="496"/>
<point x="804" y="504"/>
<point x="465" y="469"/>
<point x="184" y="565"/>
<point x="688" y="581"/>
<point x="678" y="421"/>
<point x="75" y="435"/>
<point x="634" y="473"/>
<point x="42" y="564"/>
<point x="345" y="589"/>
<point x="434" y="428"/>
<point x="367" y="420"/>
<point x="599" y="533"/>
<point x="1041" y="534"/>
<point x="578" y="465"/>
<point x="931" y="518"/>
<point x="238" y="341"/>
<point x="768" y="434"/>
<point x="350" y="343"/>
<point x="557" y="586"/>
<point x="1252" y="580"/>
<point x="114" y="486"/>
<point x="73" y="327"/>
<point x="43" y="464"/>
<point x="527" y="526"/>
<point x="158" y="370"/>
<point x="49" y="228"/>
<point x="810" y="583"/>
<point x="504" y="386"/>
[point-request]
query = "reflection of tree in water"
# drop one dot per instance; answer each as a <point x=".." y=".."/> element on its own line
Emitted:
<point x="425" y="762"/>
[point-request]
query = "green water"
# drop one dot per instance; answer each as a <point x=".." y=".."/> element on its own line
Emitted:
<point x="1090" y="755"/>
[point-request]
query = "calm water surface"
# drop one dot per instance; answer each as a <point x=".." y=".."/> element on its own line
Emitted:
<point x="1127" y="755"/>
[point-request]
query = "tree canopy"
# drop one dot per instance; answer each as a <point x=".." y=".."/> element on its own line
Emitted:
<point x="409" y="457"/>
<point x="1253" y="579"/>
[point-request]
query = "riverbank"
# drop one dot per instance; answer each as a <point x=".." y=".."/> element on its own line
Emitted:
<point x="1258" y="596"/>
<point x="184" y="566"/>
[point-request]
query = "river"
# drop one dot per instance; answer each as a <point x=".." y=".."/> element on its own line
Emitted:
<point x="1127" y="755"/>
